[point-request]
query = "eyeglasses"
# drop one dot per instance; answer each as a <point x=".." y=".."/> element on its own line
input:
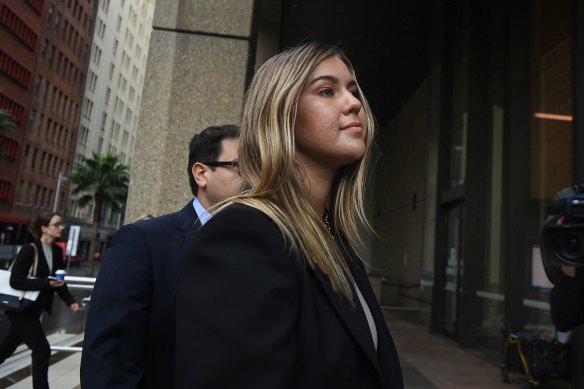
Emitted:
<point x="221" y="163"/>
<point x="58" y="225"/>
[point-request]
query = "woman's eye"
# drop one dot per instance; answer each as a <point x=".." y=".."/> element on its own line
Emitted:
<point x="356" y="94"/>
<point x="325" y="92"/>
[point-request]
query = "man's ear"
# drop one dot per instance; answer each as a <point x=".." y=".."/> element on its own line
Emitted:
<point x="198" y="171"/>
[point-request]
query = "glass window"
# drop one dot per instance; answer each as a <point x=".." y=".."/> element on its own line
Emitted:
<point x="459" y="108"/>
<point x="551" y="142"/>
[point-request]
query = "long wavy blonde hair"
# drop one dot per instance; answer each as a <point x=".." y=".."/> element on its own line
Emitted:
<point x="274" y="183"/>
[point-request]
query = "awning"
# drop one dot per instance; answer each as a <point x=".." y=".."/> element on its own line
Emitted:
<point x="16" y="219"/>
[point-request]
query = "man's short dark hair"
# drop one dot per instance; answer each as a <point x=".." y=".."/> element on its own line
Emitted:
<point x="206" y="146"/>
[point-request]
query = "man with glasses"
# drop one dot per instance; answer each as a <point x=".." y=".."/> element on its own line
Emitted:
<point x="130" y="329"/>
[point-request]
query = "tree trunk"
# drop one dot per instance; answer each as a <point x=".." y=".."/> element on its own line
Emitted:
<point x="92" y="246"/>
<point x="94" y="229"/>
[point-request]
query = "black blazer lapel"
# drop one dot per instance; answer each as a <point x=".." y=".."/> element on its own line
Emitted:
<point x="387" y="355"/>
<point x="45" y="299"/>
<point x="353" y="317"/>
<point x="186" y="224"/>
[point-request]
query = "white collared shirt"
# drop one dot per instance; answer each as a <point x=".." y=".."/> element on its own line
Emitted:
<point x="368" y="316"/>
<point x="202" y="213"/>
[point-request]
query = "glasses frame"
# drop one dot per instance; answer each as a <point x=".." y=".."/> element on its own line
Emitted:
<point x="58" y="225"/>
<point x="221" y="163"/>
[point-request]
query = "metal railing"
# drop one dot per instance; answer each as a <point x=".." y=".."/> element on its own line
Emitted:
<point x="20" y="359"/>
<point x="84" y="282"/>
<point x="74" y="282"/>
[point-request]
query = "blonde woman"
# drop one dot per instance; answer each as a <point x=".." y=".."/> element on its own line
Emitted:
<point x="271" y="293"/>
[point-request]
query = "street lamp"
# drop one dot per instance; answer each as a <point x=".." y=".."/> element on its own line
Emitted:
<point x="59" y="179"/>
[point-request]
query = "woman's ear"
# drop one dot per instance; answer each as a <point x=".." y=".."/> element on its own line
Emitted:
<point x="199" y="174"/>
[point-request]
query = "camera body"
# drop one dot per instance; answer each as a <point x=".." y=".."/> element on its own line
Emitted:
<point x="562" y="237"/>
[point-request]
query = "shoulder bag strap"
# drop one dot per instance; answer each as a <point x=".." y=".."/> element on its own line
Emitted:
<point x="33" y="270"/>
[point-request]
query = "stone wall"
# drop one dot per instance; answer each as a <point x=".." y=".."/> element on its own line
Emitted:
<point x="195" y="77"/>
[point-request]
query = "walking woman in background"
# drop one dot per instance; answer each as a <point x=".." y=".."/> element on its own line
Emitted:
<point x="271" y="292"/>
<point x="26" y="326"/>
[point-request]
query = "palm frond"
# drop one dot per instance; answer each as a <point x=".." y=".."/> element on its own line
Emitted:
<point x="103" y="178"/>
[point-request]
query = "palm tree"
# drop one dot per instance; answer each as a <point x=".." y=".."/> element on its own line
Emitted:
<point x="6" y="124"/>
<point x="102" y="181"/>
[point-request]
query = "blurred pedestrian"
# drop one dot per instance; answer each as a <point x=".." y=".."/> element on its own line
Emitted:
<point x="26" y="326"/>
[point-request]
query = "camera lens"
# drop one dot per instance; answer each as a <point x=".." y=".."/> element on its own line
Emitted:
<point x="571" y="246"/>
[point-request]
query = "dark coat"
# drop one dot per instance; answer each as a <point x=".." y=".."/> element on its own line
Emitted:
<point x="20" y="280"/>
<point x="252" y="314"/>
<point x="130" y="331"/>
<point x="567" y="300"/>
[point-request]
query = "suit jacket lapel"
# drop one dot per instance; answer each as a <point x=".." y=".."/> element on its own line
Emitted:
<point x="353" y="317"/>
<point x="186" y="224"/>
<point x="387" y="355"/>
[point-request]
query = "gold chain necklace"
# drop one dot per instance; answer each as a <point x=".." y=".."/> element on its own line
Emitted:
<point x="327" y="224"/>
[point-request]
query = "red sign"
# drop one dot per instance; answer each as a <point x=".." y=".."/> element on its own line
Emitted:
<point x="63" y="246"/>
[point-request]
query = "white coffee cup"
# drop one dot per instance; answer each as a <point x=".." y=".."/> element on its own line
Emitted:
<point x="60" y="275"/>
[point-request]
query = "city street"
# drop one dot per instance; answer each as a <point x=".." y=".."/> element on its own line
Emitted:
<point x="61" y="321"/>
<point x="428" y="361"/>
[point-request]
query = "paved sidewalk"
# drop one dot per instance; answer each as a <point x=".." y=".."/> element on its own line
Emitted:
<point x="16" y="368"/>
<point x="428" y="362"/>
<point x="62" y="375"/>
<point x="431" y="361"/>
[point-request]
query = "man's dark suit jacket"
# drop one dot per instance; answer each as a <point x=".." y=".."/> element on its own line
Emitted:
<point x="251" y="314"/>
<point x="130" y="331"/>
<point x="19" y="277"/>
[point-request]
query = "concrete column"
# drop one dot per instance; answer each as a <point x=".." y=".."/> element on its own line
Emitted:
<point x="195" y="77"/>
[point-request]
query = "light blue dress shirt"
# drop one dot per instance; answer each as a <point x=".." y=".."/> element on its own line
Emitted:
<point x="201" y="211"/>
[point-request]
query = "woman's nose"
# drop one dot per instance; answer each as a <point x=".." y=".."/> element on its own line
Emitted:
<point x="353" y="103"/>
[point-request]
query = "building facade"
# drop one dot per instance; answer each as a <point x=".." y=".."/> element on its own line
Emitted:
<point x="72" y="76"/>
<point x="469" y="163"/>
<point x="46" y="51"/>
<point x="110" y="110"/>
<point x="496" y="116"/>
<point x="199" y="60"/>
<point x="20" y="34"/>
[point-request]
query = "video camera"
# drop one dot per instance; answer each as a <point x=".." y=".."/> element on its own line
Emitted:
<point x="562" y="237"/>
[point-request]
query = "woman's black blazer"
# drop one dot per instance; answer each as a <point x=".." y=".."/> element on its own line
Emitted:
<point x="251" y="314"/>
<point x="20" y="280"/>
